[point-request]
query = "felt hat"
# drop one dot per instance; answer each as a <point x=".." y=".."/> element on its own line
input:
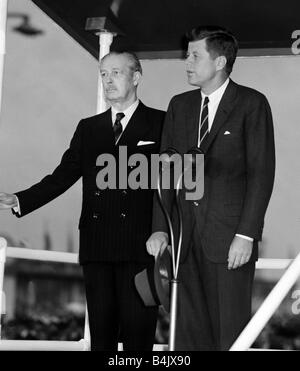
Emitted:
<point x="153" y="283"/>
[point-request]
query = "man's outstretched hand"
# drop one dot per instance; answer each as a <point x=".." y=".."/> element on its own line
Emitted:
<point x="7" y="201"/>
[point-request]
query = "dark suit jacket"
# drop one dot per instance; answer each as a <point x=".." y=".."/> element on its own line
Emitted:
<point x="114" y="224"/>
<point x="239" y="169"/>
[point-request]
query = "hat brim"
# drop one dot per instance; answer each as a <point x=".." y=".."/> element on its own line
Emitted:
<point x="153" y="285"/>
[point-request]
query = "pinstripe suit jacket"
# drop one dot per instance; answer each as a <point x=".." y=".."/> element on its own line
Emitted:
<point x="114" y="224"/>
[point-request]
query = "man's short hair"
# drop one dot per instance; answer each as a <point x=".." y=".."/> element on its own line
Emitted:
<point x="219" y="41"/>
<point x="135" y="64"/>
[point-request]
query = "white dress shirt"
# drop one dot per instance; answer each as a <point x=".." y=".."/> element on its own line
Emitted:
<point x="214" y="101"/>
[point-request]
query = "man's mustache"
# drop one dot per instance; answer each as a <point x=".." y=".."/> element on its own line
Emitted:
<point x="110" y="88"/>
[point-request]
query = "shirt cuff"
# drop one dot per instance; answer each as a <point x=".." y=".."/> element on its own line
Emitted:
<point x="17" y="209"/>
<point x="245" y="237"/>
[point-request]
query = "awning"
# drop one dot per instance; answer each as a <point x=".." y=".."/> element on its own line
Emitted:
<point x="155" y="28"/>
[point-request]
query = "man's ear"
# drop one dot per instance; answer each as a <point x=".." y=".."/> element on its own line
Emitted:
<point x="221" y="62"/>
<point x="136" y="78"/>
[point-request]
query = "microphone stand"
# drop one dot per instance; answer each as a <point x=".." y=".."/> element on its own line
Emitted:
<point x="175" y="281"/>
<point x="169" y="152"/>
<point x="175" y="260"/>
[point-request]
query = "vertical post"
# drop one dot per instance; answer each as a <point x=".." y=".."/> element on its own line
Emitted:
<point x="87" y="335"/>
<point x="3" y="245"/>
<point x="3" y="17"/>
<point x="106" y="37"/>
<point x="173" y="314"/>
<point x="105" y="41"/>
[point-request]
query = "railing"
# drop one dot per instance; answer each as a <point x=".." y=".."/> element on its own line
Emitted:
<point x="244" y="341"/>
<point x="39" y="255"/>
<point x="267" y="309"/>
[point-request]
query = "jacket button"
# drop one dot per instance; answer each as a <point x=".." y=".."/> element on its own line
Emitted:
<point x="96" y="216"/>
<point x="123" y="216"/>
<point x="196" y="203"/>
<point x="97" y="193"/>
<point x="124" y="192"/>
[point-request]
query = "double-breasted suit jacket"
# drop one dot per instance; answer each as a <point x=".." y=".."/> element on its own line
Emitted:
<point x="114" y="223"/>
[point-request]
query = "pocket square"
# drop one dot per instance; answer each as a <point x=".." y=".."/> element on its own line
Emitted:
<point x="144" y="143"/>
<point x="227" y="133"/>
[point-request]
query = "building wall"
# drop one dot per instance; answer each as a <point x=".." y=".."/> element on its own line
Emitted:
<point x="50" y="83"/>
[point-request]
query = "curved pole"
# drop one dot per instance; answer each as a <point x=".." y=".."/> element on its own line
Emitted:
<point x="193" y="151"/>
<point x="175" y="281"/>
<point x="180" y="217"/>
<point x="168" y="221"/>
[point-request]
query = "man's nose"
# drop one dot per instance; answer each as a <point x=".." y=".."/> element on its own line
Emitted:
<point x="188" y="61"/>
<point x="108" y="79"/>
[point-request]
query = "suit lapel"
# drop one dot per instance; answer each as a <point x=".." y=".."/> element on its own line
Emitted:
<point x="136" y="129"/>
<point x="103" y="135"/>
<point x="193" y="117"/>
<point x="225" y="107"/>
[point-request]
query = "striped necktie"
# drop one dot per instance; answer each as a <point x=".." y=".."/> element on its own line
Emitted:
<point x="118" y="126"/>
<point x="203" y="129"/>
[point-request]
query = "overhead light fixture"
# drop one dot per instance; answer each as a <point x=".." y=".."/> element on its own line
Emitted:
<point x="25" y="28"/>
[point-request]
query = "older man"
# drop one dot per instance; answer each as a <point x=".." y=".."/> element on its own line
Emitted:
<point x="114" y="223"/>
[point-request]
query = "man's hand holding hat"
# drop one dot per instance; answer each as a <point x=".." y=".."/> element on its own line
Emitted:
<point x="157" y="242"/>
<point x="153" y="283"/>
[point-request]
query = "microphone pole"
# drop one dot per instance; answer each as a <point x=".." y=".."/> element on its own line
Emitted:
<point x="175" y="282"/>
<point x="167" y="155"/>
<point x="166" y="162"/>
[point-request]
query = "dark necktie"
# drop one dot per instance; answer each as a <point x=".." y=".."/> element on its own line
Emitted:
<point x="118" y="126"/>
<point x="204" y="121"/>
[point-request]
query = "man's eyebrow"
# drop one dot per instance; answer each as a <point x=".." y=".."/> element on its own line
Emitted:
<point x="114" y="69"/>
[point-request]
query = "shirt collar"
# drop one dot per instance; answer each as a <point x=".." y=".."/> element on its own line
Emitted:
<point x="216" y="96"/>
<point x="128" y="112"/>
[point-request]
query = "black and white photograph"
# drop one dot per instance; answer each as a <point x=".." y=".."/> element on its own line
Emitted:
<point x="149" y="178"/>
